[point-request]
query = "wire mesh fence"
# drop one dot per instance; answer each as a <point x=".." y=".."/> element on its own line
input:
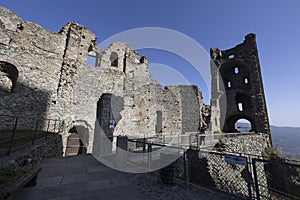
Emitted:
<point x="282" y="179"/>
<point x="248" y="176"/>
<point x="245" y="176"/>
<point x="230" y="177"/>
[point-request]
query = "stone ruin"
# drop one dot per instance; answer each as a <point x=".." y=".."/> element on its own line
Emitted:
<point x="49" y="75"/>
<point x="241" y="95"/>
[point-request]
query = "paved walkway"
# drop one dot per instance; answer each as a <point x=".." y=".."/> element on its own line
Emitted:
<point x="83" y="177"/>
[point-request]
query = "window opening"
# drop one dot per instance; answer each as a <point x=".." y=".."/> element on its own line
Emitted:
<point x="236" y="70"/>
<point x="240" y="107"/>
<point x="114" y="59"/>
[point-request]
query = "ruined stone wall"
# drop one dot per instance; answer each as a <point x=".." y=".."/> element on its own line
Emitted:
<point x="53" y="80"/>
<point x="190" y="109"/>
<point x="37" y="55"/>
<point x="237" y="89"/>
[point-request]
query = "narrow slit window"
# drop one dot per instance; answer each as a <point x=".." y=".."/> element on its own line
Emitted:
<point x="240" y="106"/>
<point x="229" y="84"/>
<point x="231" y="56"/>
<point x="246" y="81"/>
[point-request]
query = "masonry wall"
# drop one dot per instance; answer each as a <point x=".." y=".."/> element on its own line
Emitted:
<point x="190" y="109"/>
<point x="37" y="55"/>
<point x="54" y="81"/>
<point x="237" y="89"/>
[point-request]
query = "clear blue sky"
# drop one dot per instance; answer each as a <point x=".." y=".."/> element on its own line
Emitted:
<point x="220" y="24"/>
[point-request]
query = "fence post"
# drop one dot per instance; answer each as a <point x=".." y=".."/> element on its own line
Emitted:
<point x="255" y="179"/>
<point x="248" y="179"/>
<point x="186" y="167"/>
<point x="122" y="147"/>
<point x="144" y="144"/>
<point x="12" y="137"/>
<point x="35" y="130"/>
<point x="54" y="127"/>
<point x="149" y="155"/>
<point x="48" y="125"/>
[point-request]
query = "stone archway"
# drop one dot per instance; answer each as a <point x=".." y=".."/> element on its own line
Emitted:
<point x="231" y="123"/>
<point x="9" y="75"/>
<point x="243" y="125"/>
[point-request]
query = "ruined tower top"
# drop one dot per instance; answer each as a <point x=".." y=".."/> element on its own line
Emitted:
<point x="237" y="89"/>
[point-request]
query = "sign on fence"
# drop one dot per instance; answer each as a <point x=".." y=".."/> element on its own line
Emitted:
<point x="235" y="160"/>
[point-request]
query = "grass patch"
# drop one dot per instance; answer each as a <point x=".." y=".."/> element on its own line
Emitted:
<point x="9" y="176"/>
<point x="21" y="137"/>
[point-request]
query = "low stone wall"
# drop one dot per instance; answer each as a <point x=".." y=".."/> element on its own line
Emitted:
<point x="32" y="155"/>
<point x="251" y="143"/>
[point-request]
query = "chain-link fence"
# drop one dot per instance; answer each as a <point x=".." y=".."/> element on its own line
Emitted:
<point x="246" y="176"/>
<point x="282" y="178"/>
<point x="243" y="175"/>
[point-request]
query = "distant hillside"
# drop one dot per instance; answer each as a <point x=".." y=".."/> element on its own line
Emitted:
<point x="287" y="140"/>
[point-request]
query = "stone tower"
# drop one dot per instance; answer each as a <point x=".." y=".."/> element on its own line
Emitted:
<point x="237" y="89"/>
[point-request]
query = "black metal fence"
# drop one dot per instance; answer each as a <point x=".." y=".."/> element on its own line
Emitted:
<point x="282" y="178"/>
<point x="15" y="132"/>
<point x="245" y="176"/>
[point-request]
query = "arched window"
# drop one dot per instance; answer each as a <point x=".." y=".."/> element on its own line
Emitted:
<point x="114" y="59"/>
<point x="8" y="77"/>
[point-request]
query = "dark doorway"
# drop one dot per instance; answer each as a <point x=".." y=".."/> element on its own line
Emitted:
<point x="109" y="107"/>
<point x="158" y="122"/>
<point x="74" y="144"/>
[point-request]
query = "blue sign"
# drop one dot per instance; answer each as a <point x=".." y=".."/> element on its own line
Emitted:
<point x="235" y="160"/>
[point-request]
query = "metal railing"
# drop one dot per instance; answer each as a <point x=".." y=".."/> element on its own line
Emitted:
<point x="243" y="175"/>
<point x="282" y="179"/>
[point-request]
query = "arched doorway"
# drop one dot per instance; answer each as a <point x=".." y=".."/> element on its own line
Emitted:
<point x="243" y="125"/>
<point x="74" y="144"/>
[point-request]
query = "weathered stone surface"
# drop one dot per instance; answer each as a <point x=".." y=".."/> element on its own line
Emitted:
<point x="237" y="89"/>
<point x="50" y="146"/>
<point x="53" y="80"/>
